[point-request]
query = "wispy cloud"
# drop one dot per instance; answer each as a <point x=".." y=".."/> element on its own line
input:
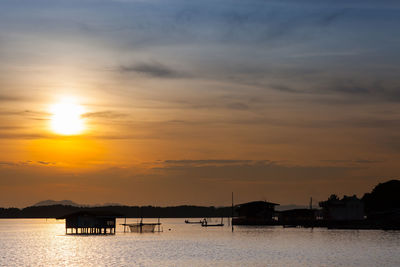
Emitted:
<point x="249" y="170"/>
<point x="284" y="88"/>
<point x="46" y="162"/>
<point x="153" y="69"/>
<point x="203" y="162"/>
<point x="107" y="114"/>
<point x="327" y="19"/>
<point x="28" y="113"/>
<point x="238" y="106"/>
<point x="11" y="98"/>
<point x="26" y="163"/>
<point x="352" y="162"/>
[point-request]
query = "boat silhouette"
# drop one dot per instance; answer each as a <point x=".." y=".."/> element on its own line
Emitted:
<point x="205" y="223"/>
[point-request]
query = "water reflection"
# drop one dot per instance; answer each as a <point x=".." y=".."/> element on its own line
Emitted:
<point x="43" y="243"/>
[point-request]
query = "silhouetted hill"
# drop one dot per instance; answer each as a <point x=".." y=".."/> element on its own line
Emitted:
<point x="384" y="197"/>
<point x="50" y="202"/>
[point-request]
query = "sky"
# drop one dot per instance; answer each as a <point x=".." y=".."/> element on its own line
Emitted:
<point x="184" y="102"/>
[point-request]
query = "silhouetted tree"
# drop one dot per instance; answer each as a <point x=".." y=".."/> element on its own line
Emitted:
<point x="384" y="197"/>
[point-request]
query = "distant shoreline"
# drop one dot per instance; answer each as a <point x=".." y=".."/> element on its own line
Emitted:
<point x="55" y="211"/>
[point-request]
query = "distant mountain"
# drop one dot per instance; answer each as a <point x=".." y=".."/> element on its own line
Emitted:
<point x="54" y="202"/>
<point x="50" y="202"/>
<point x="110" y="204"/>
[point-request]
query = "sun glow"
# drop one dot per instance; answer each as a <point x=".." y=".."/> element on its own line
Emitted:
<point x="67" y="118"/>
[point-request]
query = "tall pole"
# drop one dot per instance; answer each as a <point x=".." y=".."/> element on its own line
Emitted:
<point x="232" y="213"/>
<point x="141" y="220"/>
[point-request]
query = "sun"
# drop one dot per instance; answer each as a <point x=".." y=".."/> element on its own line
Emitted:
<point x="67" y="118"/>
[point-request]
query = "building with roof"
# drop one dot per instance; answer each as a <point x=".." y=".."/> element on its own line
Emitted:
<point x="90" y="222"/>
<point x="255" y="213"/>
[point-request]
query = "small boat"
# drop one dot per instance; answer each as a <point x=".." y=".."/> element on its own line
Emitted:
<point x="195" y="222"/>
<point x="205" y="223"/>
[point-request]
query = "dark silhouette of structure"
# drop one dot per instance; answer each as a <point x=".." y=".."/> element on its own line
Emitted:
<point x="297" y="217"/>
<point x="382" y="210"/>
<point x="205" y="223"/>
<point x="194" y="222"/>
<point x="142" y="227"/>
<point x="90" y="223"/>
<point x="345" y="209"/>
<point x="255" y="213"/>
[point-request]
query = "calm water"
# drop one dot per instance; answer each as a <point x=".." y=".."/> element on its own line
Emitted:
<point x="39" y="242"/>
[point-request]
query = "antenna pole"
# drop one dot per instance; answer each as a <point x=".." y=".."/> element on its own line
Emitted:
<point x="232" y="213"/>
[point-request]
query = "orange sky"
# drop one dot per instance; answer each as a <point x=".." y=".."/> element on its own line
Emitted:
<point x="186" y="103"/>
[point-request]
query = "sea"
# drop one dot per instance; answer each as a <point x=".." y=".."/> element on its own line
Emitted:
<point x="41" y="242"/>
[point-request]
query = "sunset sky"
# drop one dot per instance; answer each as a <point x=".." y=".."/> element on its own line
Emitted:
<point x="184" y="102"/>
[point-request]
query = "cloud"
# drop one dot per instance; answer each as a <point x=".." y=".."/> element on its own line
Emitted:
<point x="330" y="18"/>
<point x="45" y="162"/>
<point x="35" y="136"/>
<point x="107" y="114"/>
<point x="238" y="106"/>
<point x="11" y="98"/>
<point x="284" y="88"/>
<point x="25" y="163"/>
<point x="153" y="69"/>
<point x="352" y="162"/>
<point x="204" y="162"/>
<point x="37" y="115"/>
<point x="8" y="163"/>
<point x="259" y="177"/>
<point x="350" y="87"/>
<point x="26" y="136"/>
<point x="9" y="127"/>
<point x="364" y="89"/>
